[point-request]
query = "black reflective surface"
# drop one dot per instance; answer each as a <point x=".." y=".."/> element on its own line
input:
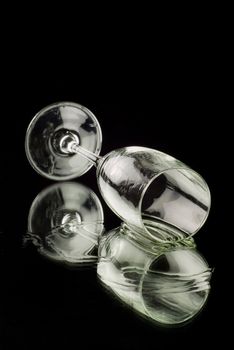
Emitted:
<point x="49" y="305"/>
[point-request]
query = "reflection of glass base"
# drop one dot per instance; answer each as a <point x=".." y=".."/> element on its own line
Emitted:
<point x="64" y="223"/>
<point x="43" y="140"/>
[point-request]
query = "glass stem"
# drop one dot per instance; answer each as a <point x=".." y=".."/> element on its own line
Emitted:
<point x="67" y="142"/>
<point x="92" y="157"/>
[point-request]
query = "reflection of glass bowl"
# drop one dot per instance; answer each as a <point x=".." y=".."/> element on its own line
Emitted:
<point x="175" y="286"/>
<point x="169" y="285"/>
<point x="65" y="221"/>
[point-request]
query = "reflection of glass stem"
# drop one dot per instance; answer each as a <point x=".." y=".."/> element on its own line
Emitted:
<point x="90" y="234"/>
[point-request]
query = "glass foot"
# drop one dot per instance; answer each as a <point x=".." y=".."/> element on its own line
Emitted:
<point x="50" y="128"/>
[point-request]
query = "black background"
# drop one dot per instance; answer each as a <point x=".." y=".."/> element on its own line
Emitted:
<point x="175" y="108"/>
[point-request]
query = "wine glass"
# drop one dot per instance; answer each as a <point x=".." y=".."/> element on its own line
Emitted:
<point x="65" y="222"/>
<point x="141" y="185"/>
<point x="169" y="284"/>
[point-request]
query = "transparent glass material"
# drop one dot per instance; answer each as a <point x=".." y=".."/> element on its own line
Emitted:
<point x="169" y="284"/>
<point x="154" y="193"/>
<point x="139" y="184"/>
<point x="51" y="129"/>
<point x="65" y="222"/>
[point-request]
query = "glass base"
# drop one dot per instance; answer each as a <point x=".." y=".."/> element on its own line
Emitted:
<point x="42" y="142"/>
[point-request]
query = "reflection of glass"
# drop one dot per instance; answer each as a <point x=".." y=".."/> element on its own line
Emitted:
<point x="140" y="185"/>
<point x="169" y="284"/>
<point x="65" y="221"/>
